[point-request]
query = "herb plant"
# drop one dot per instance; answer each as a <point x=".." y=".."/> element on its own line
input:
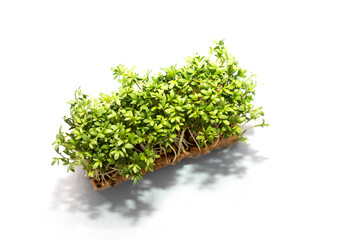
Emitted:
<point x="158" y="115"/>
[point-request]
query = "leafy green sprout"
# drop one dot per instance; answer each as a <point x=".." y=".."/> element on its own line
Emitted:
<point x="164" y="114"/>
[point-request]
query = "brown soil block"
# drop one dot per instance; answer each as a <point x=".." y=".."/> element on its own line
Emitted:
<point x="166" y="161"/>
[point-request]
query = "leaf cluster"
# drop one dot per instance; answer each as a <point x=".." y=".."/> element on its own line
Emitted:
<point x="164" y="114"/>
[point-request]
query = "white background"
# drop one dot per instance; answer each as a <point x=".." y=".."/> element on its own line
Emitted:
<point x="297" y="179"/>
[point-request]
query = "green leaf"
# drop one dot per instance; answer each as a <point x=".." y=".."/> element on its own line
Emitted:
<point x="200" y="137"/>
<point x="108" y="130"/>
<point x="120" y="142"/>
<point x="96" y="165"/>
<point x="204" y="92"/>
<point x="54" y="161"/>
<point x="111" y="161"/>
<point x="128" y="146"/>
<point x="192" y="96"/>
<point x="85" y="137"/>
<point x="169" y="110"/>
<point x="111" y="115"/>
<point x="100" y="135"/>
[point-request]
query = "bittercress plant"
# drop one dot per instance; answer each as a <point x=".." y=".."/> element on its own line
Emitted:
<point x="164" y="114"/>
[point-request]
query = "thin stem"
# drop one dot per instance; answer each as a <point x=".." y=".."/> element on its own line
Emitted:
<point x="194" y="140"/>
<point x="245" y="123"/>
<point x="217" y="140"/>
<point x="164" y="150"/>
<point x="180" y="142"/>
<point x="259" y="125"/>
<point x="137" y="84"/>
<point x="174" y="152"/>
<point x="109" y="176"/>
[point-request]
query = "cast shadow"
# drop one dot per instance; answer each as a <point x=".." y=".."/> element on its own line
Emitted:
<point x="75" y="192"/>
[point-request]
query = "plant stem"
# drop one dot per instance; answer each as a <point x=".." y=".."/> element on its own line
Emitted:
<point x="174" y="152"/>
<point x="194" y="140"/>
<point x="180" y="142"/>
<point x="259" y="125"/>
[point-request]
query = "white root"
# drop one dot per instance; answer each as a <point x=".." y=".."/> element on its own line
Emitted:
<point x="195" y="140"/>
<point x="174" y="152"/>
<point x="180" y="142"/>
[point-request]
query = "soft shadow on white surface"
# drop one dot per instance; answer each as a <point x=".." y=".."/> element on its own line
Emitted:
<point x="75" y="192"/>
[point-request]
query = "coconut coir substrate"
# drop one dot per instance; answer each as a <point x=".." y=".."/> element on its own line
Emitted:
<point x="166" y="161"/>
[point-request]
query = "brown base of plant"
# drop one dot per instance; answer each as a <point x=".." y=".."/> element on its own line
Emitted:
<point x="166" y="161"/>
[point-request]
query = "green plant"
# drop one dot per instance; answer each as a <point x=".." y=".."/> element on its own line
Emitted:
<point x="161" y="115"/>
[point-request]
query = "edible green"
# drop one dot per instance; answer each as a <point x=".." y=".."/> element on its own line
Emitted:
<point x="157" y="115"/>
